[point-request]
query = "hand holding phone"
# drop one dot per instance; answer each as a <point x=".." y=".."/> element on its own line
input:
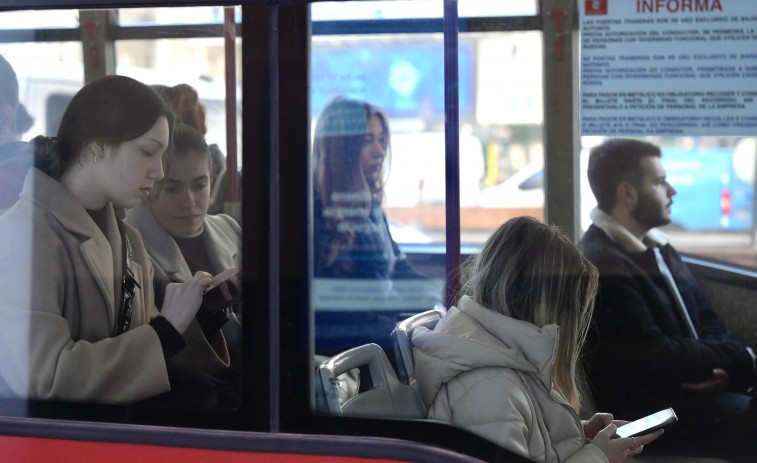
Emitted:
<point x="217" y="299"/>
<point x="648" y="424"/>
<point x="226" y="290"/>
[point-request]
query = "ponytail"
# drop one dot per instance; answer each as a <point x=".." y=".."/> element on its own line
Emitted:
<point x="46" y="156"/>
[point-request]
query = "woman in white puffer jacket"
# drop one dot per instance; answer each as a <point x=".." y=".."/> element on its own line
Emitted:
<point x="497" y="363"/>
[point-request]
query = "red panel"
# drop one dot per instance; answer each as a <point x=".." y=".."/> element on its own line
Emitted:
<point x="34" y="450"/>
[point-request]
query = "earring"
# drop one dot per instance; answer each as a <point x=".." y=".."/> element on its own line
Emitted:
<point x="95" y="159"/>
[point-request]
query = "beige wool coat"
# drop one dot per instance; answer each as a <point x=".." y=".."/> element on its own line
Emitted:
<point x="60" y="287"/>
<point x="222" y="238"/>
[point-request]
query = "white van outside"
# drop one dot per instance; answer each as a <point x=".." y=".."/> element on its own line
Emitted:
<point x="46" y="91"/>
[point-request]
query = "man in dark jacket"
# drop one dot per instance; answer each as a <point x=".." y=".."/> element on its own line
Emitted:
<point x="658" y="342"/>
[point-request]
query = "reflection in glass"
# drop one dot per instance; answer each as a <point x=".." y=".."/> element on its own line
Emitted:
<point x="501" y="123"/>
<point x="48" y="76"/>
<point x="358" y="266"/>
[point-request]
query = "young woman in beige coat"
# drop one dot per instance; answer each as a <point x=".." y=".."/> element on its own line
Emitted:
<point x="77" y="314"/>
<point x="179" y="234"/>
<point x="503" y="362"/>
<point x="182" y="238"/>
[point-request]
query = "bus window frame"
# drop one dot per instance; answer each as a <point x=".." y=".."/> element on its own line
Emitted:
<point x="276" y="257"/>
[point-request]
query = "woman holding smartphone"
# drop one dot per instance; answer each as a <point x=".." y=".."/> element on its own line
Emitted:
<point x="78" y="319"/>
<point x="179" y="235"/>
<point x="183" y="239"/>
<point x="504" y="362"/>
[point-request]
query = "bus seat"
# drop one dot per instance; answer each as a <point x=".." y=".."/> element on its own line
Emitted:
<point x="403" y="350"/>
<point x="347" y="385"/>
<point x="381" y="394"/>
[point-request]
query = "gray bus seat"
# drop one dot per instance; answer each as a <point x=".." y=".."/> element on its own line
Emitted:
<point x="381" y="394"/>
<point x="403" y="349"/>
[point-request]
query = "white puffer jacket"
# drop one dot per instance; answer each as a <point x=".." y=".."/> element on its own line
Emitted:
<point x="490" y="374"/>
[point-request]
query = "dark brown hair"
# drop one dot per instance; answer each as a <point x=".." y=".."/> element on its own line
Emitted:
<point x="338" y="179"/>
<point x="614" y="161"/>
<point x="109" y="110"/>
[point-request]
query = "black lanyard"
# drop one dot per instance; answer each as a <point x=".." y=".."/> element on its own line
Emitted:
<point x="129" y="284"/>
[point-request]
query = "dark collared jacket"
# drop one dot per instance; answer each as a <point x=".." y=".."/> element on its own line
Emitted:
<point x="639" y="352"/>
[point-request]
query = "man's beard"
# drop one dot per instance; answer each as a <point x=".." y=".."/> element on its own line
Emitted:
<point x="649" y="213"/>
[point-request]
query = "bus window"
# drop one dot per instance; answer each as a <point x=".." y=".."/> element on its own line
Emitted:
<point x="713" y="209"/>
<point x="379" y="235"/>
<point x="40" y="19"/>
<point x="48" y="75"/>
<point x="130" y="17"/>
<point x="508" y="120"/>
<point x="500" y="102"/>
<point x="197" y="62"/>
<point x="90" y="304"/>
<point x="377" y="123"/>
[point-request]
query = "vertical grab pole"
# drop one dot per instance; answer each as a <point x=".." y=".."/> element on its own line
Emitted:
<point x="232" y="179"/>
<point x="452" y="148"/>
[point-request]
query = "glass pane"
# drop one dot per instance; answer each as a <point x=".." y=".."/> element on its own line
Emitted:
<point x="48" y="74"/>
<point x="197" y="62"/>
<point x="364" y="282"/>
<point x="181" y="15"/>
<point x="377" y="119"/>
<point x="103" y="327"/>
<point x="62" y="19"/>
<point x="481" y="8"/>
<point x="405" y="9"/>
<point x="502" y="175"/>
<point x="713" y="209"/>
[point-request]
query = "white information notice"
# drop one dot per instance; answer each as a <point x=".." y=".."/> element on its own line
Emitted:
<point x="353" y="294"/>
<point x="668" y="67"/>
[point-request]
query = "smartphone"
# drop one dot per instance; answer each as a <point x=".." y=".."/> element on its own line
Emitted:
<point x="213" y="298"/>
<point x="648" y="424"/>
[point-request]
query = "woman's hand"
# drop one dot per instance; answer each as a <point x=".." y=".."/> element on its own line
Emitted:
<point x="618" y="449"/>
<point x="226" y="291"/>
<point x="183" y="299"/>
<point x="597" y="423"/>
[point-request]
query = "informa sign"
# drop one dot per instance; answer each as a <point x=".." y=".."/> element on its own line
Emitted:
<point x="668" y="67"/>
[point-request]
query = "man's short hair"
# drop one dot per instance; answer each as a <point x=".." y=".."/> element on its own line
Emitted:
<point x="614" y="161"/>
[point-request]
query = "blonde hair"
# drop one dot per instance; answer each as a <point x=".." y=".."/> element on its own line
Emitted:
<point x="532" y="272"/>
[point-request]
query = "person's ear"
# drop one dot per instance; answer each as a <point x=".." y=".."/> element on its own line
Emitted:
<point x="627" y="194"/>
<point x="96" y="152"/>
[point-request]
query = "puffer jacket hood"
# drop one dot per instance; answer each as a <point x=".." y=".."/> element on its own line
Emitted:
<point x="471" y="336"/>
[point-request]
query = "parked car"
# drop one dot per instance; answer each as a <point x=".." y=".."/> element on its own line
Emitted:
<point x="524" y="189"/>
<point x="523" y="193"/>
